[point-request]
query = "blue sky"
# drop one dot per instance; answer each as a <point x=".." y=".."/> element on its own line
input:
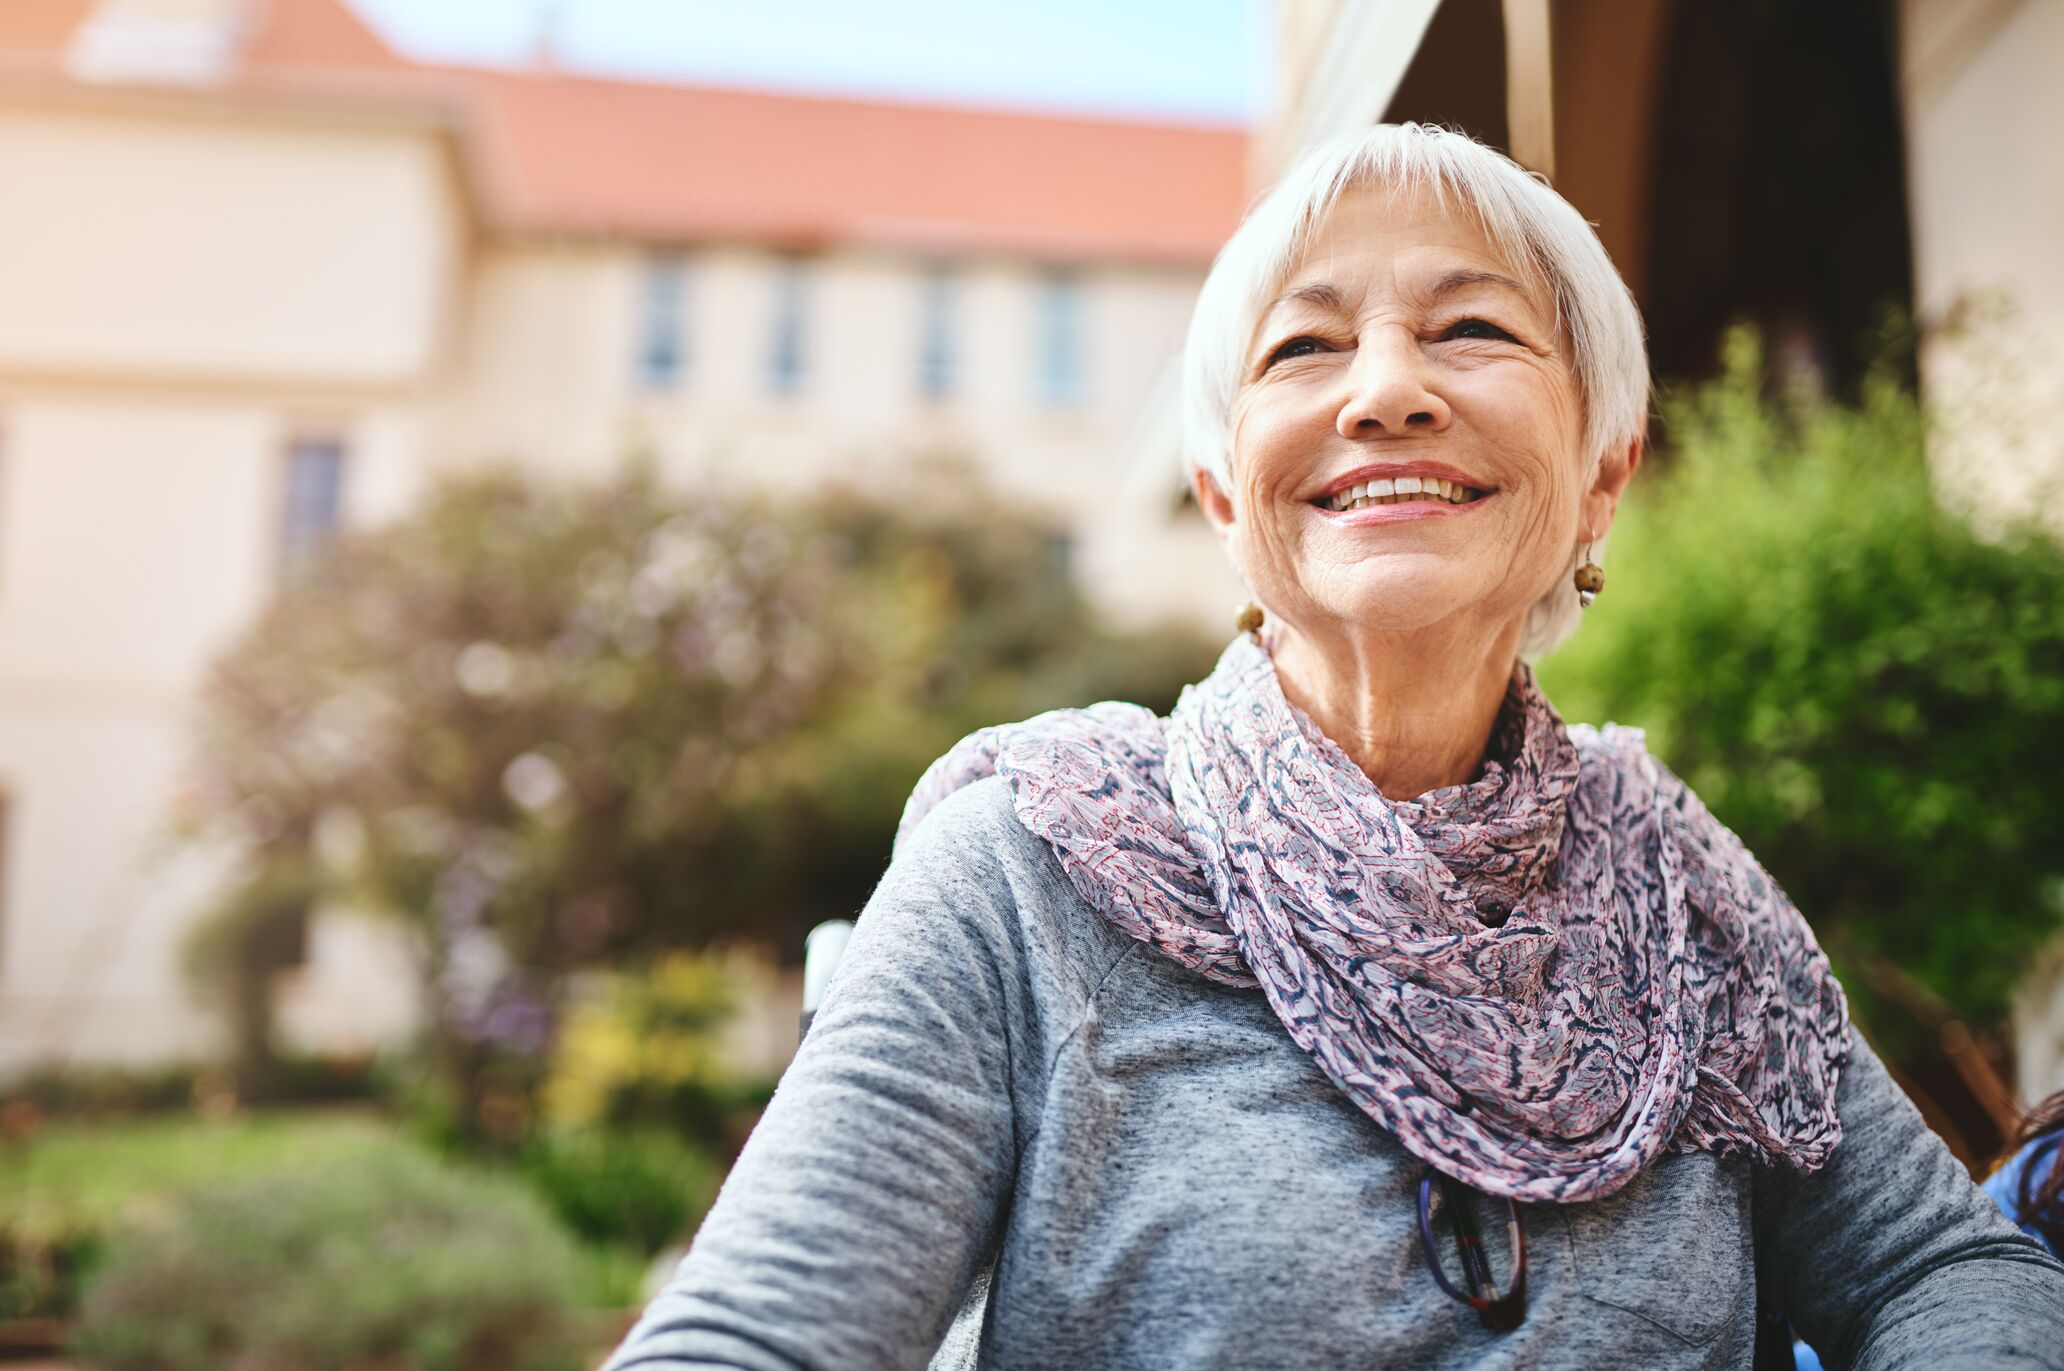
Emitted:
<point x="1158" y="59"/>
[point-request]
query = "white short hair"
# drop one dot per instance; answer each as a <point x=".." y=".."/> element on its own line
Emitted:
<point x="1536" y="229"/>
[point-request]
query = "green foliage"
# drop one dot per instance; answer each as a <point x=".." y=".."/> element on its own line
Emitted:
<point x="68" y="1192"/>
<point x="637" y="1190"/>
<point x="389" y="1259"/>
<point x="64" y="1193"/>
<point x="1855" y="680"/>
<point x="109" y="1089"/>
<point x="631" y="709"/>
<point x="558" y="727"/>
<point x="643" y="1049"/>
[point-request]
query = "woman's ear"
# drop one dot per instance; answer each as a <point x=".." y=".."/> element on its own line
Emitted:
<point x="1614" y="471"/>
<point x="1216" y="504"/>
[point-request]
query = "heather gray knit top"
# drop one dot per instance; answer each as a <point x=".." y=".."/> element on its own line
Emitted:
<point x="1017" y="1138"/>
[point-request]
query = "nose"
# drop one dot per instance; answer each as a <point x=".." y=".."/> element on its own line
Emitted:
<point x="1391" y="387"/>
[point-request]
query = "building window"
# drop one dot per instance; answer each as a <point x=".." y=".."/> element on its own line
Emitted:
<point x="785" y="359"/>
<point x="662" y="320"/>
<point x="314" y="497"/>
<point x="1060" y="339"/>
<point x="936" y="342"/>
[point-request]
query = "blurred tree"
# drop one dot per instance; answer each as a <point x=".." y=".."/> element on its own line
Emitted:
<point x="1855" y="680"/>
<point x="555" y="726"/>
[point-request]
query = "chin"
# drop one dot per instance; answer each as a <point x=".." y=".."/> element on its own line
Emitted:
<point x="1396" y="594"/>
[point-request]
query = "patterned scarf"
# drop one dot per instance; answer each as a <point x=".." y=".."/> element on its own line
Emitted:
<point x="1538" y="980"/>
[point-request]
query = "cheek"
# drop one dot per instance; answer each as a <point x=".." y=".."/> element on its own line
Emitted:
<point x="1540" y="435"/>
<point x="1266" y="438"/>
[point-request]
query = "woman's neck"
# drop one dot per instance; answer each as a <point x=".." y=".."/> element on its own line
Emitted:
<point x="1414" y="712"/>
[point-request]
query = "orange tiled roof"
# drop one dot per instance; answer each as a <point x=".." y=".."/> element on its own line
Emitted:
<point x="314" y="32"/>
<point x="576" y="155"/>
<point x="39" y="27"/>
<point x="583" y="155"/>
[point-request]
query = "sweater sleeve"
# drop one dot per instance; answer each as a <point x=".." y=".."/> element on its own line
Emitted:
<point x="849" y="1230"/>
<point x="1889" y="1257"/>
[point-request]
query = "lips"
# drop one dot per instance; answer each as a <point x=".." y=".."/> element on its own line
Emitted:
<point x="1387" y="475"/>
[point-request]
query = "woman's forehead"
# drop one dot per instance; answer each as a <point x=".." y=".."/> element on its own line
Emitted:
<point x="1406" y="235"/>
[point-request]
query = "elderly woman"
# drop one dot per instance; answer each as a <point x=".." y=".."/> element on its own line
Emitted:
<point x="1360" y="1013"/>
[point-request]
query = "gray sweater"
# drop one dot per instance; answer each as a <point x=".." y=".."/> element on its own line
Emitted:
<point x="1017" y="1138"/>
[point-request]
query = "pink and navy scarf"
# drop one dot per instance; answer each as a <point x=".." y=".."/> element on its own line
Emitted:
<point x="1538" y="980"/>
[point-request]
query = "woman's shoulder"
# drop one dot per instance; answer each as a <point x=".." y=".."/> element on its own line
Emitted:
<point x="1636" y="788"/>
<point x="976" y="853"/>
<point x="1618" y="755"/>
<point x="1621" y="752"/>
<point x="975" y="822"/>
<point x="1611" y="744"/>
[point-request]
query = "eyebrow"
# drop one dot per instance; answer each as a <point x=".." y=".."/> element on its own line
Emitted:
<point x="1326" y="297"/>
<point x="1462" y="280"/>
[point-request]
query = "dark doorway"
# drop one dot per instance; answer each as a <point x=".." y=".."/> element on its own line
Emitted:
<point x="1778" y="186"/>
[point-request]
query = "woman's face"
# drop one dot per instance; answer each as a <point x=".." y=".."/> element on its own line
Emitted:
<point x="1405" y="345"/>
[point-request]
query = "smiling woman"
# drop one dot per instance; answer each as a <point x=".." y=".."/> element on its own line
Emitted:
<point x="1404" y="344"/>
<point x="1161" y="1037"/>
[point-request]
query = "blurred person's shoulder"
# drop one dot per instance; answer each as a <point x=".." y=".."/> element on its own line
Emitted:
<point x="2004" y="1185"/>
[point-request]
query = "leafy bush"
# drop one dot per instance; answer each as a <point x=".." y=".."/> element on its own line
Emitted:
<point x="109" y="1089"/>
<point x="63" y="1194"/>
<point x="392" y="1260"/>
<point x="637" y="1190"/>
<point x="1865" y="688"/>
<point x="559" y="727"/>
<point x="643" y="1050"/>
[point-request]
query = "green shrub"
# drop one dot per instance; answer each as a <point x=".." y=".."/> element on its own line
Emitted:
<point x="392" y="1260"/>
<point x="640" y="1190"/>
<point x="110" y="1089"/>
<point x="1866" y="689"/>
<point x="63" y="1193"/>
<point x="643" y="1050"/>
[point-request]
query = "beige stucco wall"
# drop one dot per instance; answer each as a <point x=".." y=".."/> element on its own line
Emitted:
<point x="139" y="535"/>
<point x="182" y="294"/>
<point x="209" y="248"/>
<point x="548" y="380"/>
<point x="1984" y="113"/>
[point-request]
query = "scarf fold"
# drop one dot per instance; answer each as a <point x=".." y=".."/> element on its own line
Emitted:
<point x="1538" y="980"/>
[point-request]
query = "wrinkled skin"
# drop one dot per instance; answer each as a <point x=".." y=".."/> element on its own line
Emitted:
<point x="1398" y="637"/>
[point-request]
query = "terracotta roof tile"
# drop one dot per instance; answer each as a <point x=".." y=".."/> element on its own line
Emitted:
<point x="580" y="155"/>
<point x="39" y="28"/>
<point x="315" y="32"/>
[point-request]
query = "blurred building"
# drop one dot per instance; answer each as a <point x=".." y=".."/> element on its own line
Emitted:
<point x="260" y="277"/>
<point x="1797" y="166"/>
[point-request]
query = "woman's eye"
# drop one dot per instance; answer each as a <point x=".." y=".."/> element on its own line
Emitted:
<point x="1301" y="346"/>
<point x="1479" y="328"/>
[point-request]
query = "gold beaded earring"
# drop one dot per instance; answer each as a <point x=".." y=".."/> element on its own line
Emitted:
<point x="1248" y="620"/>
<point x="1590" y="578"/>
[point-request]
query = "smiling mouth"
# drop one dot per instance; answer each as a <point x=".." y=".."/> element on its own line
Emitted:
<point x="1403" y="490"/>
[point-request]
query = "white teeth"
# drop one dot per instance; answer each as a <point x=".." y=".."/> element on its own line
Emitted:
<point x="1388" y="492"/>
